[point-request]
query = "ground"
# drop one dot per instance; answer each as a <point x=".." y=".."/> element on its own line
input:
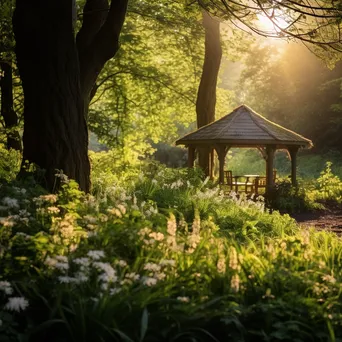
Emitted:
<point x="329" y="219"/>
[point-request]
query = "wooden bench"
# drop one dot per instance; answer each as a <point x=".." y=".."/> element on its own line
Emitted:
<point x="234" y="183"/>
<point x="260" y="182"/>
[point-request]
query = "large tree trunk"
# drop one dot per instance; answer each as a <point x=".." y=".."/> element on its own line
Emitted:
<point x="7" y="111"/>
<point x="206" y="96"/>
<point x="58" y="76"/>
<point x="55" y="131"/>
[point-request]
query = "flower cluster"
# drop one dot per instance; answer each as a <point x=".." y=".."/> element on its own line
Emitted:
<point x="13" y="303"/>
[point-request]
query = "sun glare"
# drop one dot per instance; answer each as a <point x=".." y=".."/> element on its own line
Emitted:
<point x="266" y="24"/>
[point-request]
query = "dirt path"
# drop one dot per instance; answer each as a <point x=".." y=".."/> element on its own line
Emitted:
<point x="330" y="220"/>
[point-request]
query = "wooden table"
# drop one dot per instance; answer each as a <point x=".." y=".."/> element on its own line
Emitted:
<point x="246" y="184"/>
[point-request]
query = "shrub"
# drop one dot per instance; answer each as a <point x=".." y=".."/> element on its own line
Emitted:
<point x="122" y="267"/>
<point x="9" y="163"/>
<point x="329" y="186"/>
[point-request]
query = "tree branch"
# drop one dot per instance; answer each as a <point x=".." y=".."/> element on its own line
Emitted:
<point x="94" y="15"/>
<point x="106" y="41"/>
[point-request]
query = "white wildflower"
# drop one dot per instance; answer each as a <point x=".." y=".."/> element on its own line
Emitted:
<point x="233" y="259"/>
<point x="152" y="267"/>
<point x="7" y="221"/>
<point x="164" y="262"/>
<point x="329" y="279"/>
<point x="193" y="241"/>
<point x="235" y="283"/>
<point x="308" y="254"/>
<point x="159" y="276"/>
<point x="221" y="265"/>
<point x="50" y="262"/>
<point x="133" y="276"/>
<point x="114" y="291"/>
<point x="122" y="208"/>
<point x="62" y="266"/>
<point x="81" y="277"/>
<point x="121" y="263"/>
<point x="305" y="237"/>
<point x="45" y="198"/>
<point x="157" y="236"/>
<point x="183" y="299"/>
<point x="148" y="281"/>
<point x="144" y="231"/>
<point x="82" y="261"/>
<point x="64" y="178"/>
<point x="126" y="281"/>
<point x="53" y="210"/>
<point x="283" y="245"/>
<point x="115" y="212"/>
<point x="103" y="218"/>
<point x="66" y="280"/>
<point x="90" y="219"/>
<point x="109" y="272"/>
<point x="24" y="212"/>
<point x="271" y="251"/>
<point x="73" y="247"/>
<point x="41" y="211"/>
<point x="96" y="255"/>
<point x="172" y="225"/>
<point x="196" y="225"/>
<point x="6" y="287"/>
<point x="119" y="211"/>
<point x="10" y="202"/>
<point x="16" y="304"/>
<point x="321" y="264"/>
<point x="61" y="258"/>
<point x="149" y="242"/>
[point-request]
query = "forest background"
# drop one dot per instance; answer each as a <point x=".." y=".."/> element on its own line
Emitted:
<point x="145" y="97"/>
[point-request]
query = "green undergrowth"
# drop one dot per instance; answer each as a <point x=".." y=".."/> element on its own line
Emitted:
<point x="161" y="256"/>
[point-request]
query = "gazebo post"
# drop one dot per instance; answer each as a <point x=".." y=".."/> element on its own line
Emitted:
<point x="212" y="162"/>
<point x="270" y="150"/>
<point x="221" y="152"/>
<point x="191" y="156"/>
<point x="293" y="155"/>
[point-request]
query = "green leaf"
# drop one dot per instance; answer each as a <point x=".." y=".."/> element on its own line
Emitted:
<point x="143" y="325"/>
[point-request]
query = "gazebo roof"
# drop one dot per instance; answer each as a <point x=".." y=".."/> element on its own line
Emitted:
<point x="244" y="127"/>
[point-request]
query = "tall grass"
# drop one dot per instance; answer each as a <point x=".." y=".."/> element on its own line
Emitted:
<point x="163" y="257"/>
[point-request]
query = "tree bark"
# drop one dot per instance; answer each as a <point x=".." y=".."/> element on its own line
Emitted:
<point x="55" y="131"/>
<point x="206" y="96"/>
<point x="58" y="73"/>
<point x="7" y="110"/>
<point x="98" y="40"/>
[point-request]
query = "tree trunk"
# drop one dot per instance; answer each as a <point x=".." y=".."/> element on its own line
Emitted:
<point x="58" y="73"/>
<point x="55" y="131"/>
<point x="206" y="96"/>
<point x="7" y="110"/>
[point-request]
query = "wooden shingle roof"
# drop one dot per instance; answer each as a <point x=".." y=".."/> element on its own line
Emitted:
<point x="244" y="127"/>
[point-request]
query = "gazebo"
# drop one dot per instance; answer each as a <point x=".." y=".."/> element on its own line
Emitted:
<point x="245" y="128"/>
